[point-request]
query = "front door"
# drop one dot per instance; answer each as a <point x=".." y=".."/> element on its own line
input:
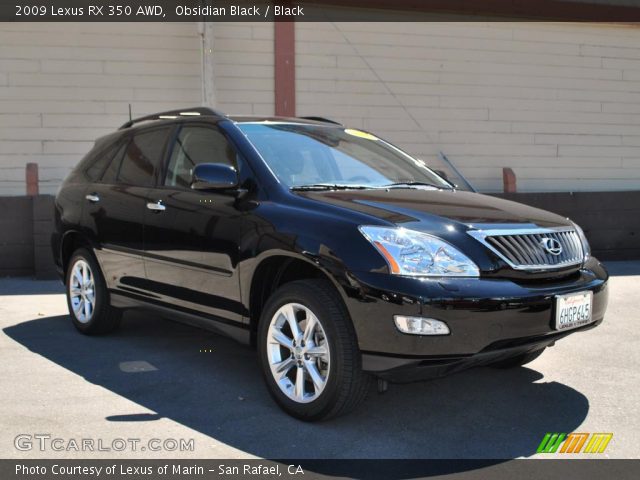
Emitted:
<point x="192" y="237"/>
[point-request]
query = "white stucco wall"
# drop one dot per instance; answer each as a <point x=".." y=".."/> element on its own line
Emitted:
<point x="558" y="103"/>
<point x="62" y="85"/>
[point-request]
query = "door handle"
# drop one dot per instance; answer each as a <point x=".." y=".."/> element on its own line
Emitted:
<point x="156" y="207"/>
<point x="92" y="197"/>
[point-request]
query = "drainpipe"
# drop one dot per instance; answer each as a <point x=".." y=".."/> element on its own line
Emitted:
<point x="208" y="65"/>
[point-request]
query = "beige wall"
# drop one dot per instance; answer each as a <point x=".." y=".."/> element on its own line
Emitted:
<point x="63" y="85"/>
<point x="560" y="104"/>
<point x="243" y="68"/>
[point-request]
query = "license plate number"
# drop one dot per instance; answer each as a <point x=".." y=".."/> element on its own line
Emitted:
<point x="573" y="310"/>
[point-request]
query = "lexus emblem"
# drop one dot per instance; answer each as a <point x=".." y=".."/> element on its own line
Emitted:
<point x="551" y="245"/>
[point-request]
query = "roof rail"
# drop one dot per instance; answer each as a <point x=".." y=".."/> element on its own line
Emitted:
<point x="322" y="119"/>
<point x="183" y="112"/>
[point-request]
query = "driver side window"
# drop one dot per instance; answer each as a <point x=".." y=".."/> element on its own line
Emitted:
<point x="195" y="145"/>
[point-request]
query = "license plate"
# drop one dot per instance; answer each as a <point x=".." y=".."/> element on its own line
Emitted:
<point x="573" y="310"/>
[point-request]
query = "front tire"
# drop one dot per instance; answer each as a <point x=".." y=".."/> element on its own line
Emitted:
<point x="87" y="296"/>
<point x="309" y="353"/>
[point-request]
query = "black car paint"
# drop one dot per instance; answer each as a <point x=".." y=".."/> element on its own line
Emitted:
<point x="199" y="257"/>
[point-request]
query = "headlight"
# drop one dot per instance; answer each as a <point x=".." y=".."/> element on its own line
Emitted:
<point x="408" y="252"/>
<point x="586" y="249"/>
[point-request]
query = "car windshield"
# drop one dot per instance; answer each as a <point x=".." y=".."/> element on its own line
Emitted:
<point x="318" y="156"/>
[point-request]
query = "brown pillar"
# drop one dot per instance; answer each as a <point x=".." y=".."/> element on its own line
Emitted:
<point x="509" y="180"/>
<point x="285" y="69"/>
<point x="32" y="179"/>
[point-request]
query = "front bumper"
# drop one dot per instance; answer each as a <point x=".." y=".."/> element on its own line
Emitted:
<point x="489" y="319"/>
<point x="407" y="369"/>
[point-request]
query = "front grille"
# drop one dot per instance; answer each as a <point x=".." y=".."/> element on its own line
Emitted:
<point x="525" y="249"/>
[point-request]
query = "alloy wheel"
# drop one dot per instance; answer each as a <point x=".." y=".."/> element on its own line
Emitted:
<point x="298" y="352"/>
<point x="82" y="291"/>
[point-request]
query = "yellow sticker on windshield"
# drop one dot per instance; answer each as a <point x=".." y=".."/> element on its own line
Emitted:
<point x="361" y="134"/>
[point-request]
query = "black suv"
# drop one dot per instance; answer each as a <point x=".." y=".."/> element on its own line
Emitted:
<point x="339" y="256"/>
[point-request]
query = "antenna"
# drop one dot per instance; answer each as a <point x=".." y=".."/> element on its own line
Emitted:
<point x="130" y="118"/>
<point x="441" y="154"/>
<point x="444" y="158"/>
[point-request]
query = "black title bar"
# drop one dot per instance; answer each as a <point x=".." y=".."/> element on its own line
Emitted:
<point x="317" y="10"/>
<point x="307" y="469"/>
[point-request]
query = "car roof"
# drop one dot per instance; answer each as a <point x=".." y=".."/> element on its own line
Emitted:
<point x="278" y="119"/>
<point x="206" y="114"/>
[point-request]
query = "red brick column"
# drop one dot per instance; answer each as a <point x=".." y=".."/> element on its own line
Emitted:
<point x="285" y="69"/>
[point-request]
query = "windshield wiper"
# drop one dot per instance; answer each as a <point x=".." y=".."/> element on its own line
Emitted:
<point x="412" y="184"/>
<point x="330" y="186"/>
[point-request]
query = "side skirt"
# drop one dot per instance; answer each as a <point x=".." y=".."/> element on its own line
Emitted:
<point x="228" y="328"/>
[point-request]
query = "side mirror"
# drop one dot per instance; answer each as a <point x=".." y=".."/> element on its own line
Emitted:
<point x="214" y="176"/>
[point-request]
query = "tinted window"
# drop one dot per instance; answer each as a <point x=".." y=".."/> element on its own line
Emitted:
<point x="193" y="146"/>
<point x="110" y="174"/>
<point x="142" y="158"/>
<point x="95" y="170"/>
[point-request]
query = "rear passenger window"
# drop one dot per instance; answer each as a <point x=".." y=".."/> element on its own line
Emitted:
<point x="193" y="146"/>
<point x="142" y="158"/>
<point x="110" y="174"/>
<point x="99" y="165"/>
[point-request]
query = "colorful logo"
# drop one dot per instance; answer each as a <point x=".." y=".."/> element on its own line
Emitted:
<point x="573" y="443"/>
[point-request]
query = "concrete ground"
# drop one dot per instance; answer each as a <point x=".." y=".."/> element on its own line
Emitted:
<point x="156" y="379"/>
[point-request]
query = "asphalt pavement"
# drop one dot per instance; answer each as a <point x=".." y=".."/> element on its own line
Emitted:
<point x="162" y="383"/>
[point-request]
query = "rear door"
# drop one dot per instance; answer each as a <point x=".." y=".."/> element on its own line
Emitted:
<point x="116" y="206"/>
<point x="192" y="237"/>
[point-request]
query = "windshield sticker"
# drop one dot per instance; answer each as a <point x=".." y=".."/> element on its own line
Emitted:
<point x="361" y="134"/>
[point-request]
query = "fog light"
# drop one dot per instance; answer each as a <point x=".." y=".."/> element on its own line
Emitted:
<point x="420" y="326"/>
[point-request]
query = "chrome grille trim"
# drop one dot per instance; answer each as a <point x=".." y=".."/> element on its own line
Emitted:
<point x="522" y="249"/>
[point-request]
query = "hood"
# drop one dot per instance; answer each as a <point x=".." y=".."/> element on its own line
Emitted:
<point x="412" y="207"/>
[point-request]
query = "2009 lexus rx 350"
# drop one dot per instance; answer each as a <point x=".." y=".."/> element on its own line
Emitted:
<point x="340" y="257"/>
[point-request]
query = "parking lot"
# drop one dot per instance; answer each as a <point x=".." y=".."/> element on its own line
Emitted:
<point x="156" y="379"/>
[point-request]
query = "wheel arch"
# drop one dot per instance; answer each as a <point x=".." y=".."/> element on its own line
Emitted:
<point x="71" y="241"/>
<point x="276" y="269"/>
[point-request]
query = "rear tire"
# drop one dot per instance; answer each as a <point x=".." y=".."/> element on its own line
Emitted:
<point x="519" y="360"/>
<point x="313" y="373"/>
<point x="87" y="296"/>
